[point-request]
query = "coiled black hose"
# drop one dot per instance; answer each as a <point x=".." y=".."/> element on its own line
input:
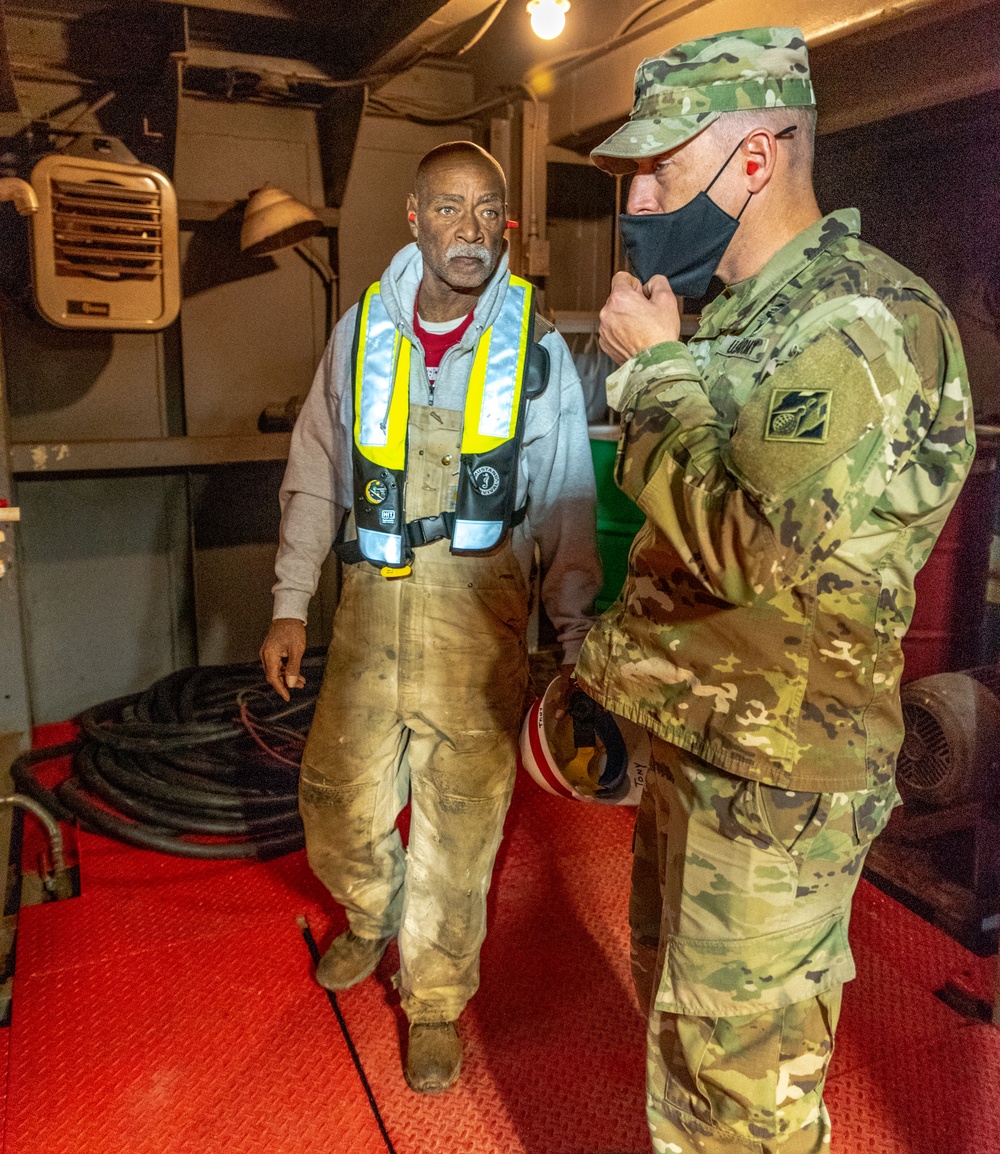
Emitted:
<point x="203" y="764"/>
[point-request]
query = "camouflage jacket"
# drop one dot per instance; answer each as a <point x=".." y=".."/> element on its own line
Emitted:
<point x="795" y="463"/>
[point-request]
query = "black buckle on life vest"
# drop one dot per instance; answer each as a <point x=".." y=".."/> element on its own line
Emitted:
<point x="426" y="530"/>
<point x="423" y="531"/>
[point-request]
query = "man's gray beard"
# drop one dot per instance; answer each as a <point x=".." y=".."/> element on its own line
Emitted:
<point x="475" y="251"/>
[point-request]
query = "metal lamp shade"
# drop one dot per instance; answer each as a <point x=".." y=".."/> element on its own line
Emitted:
<point x="274" y="220"/>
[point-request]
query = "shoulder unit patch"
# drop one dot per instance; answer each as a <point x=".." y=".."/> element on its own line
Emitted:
<point x="801" y="415"/>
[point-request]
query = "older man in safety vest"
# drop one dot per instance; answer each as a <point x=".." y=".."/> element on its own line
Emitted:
<point x="448" y="421"/>
<point x="795" y="462"/>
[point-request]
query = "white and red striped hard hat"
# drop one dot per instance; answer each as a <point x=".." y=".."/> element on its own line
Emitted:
<point x="611" y="771"/>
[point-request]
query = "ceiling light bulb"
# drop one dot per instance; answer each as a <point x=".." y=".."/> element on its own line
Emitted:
<point x="548" y="17"/>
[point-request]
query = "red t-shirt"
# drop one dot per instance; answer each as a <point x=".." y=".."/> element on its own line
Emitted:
<point x="437" y="344"/>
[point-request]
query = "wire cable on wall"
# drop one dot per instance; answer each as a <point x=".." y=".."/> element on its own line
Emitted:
<point x="625" y="32"/>
<point x="424" y="114"/>
<point x="203" y="764"/>
<point x="481" y="31"/>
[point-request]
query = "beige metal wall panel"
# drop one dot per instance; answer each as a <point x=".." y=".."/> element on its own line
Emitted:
<point x="37" y="36"/>
<point x="247" y="343"/>
<point x="234" y="601"/>
<point x="233" y="596"/>
<point x="442" y="88"/>
<point x="599" y="91"/>
<point x="252" y="327"/>
<point x="104" y="585"/>
<point x="225" y="150"/>
<point x="82" y="386"/>
<point x="580" y="264"/>
<point x="233" y="588"/>
<point x="235" y="519"/>
<point x="15" y="715"/>
<point x="234" y="515"/>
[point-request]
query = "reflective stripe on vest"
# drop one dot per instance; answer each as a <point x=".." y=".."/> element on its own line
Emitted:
<point x="493" y="407"/>
<point x="381" y="413"/>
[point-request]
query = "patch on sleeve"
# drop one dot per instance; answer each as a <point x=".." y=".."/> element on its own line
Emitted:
<point x="799" y="415"/>
<point x="812" y="410"/>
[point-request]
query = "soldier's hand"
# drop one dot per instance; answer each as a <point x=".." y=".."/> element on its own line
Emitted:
<point x="281" y="654"/>
<point x="637" y="316"/>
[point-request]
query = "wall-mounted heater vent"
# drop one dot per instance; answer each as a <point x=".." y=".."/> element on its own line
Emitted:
<point x="104" y="244"/>
<point x="106" y="231"/>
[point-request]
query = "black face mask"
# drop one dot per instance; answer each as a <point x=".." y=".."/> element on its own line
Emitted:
<point x="686" y="245"/>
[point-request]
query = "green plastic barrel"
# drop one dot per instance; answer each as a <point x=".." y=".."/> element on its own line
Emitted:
<point x="618" y="518"/>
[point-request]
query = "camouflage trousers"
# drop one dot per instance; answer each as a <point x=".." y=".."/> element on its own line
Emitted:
<point x="741" y="896"/>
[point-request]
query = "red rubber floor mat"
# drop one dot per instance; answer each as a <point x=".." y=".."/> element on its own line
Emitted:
<point x="4" y="1057"/>
<point x="170" y="1009"/>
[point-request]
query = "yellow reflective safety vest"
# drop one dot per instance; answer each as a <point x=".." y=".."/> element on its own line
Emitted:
<point x="492" y="432"/>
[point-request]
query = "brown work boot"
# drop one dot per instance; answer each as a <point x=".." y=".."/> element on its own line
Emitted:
<point x="349" y="960"/>
<point x="433" y="1056"/>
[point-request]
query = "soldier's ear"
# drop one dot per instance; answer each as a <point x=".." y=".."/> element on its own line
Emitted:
<point x="411" y="213"/>
<point x="757" y="156"/>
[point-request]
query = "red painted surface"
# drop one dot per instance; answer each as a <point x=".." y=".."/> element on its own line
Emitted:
<point x="171" y="1010"/>
<point x="4" y="1058"/>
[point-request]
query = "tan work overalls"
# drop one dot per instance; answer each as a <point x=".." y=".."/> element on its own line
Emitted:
<point x="423" y="695"/>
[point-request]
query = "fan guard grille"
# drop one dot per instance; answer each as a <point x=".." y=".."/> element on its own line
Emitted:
<point x="925" y="762"/>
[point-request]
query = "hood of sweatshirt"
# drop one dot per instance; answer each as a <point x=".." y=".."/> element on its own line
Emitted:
<point x="401" y="280"/>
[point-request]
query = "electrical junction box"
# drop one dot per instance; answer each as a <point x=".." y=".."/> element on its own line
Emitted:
<point x="104" y="248"/>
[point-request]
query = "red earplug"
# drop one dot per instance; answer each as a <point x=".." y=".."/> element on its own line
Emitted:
<point x="752" y="167"/>
<point x="512" y="224"/>
<point x="411" y="217"/>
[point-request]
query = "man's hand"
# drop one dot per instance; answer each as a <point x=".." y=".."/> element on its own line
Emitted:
<point x="566" y="687"/>
<point x="637" y="316"/>
<point x="281" y="654"/>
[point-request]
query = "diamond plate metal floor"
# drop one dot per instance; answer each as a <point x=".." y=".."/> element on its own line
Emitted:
<point x="170" y="1010"/>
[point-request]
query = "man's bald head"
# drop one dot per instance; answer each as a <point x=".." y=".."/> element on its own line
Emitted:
<point x="458" y="213"/>
<point x="457" y="154"/>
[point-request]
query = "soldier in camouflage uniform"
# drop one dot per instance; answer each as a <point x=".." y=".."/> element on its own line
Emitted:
<point x="795" y="462"/>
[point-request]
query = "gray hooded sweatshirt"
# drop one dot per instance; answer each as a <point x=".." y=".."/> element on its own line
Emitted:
<point x="555" y="474"/>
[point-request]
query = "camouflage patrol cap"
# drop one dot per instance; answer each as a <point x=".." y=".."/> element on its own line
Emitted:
<point x="684" y="90"/>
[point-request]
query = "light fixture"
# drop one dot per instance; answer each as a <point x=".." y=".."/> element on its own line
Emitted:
<point x="272" y="220"/>
<point x="548" y="17"/>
